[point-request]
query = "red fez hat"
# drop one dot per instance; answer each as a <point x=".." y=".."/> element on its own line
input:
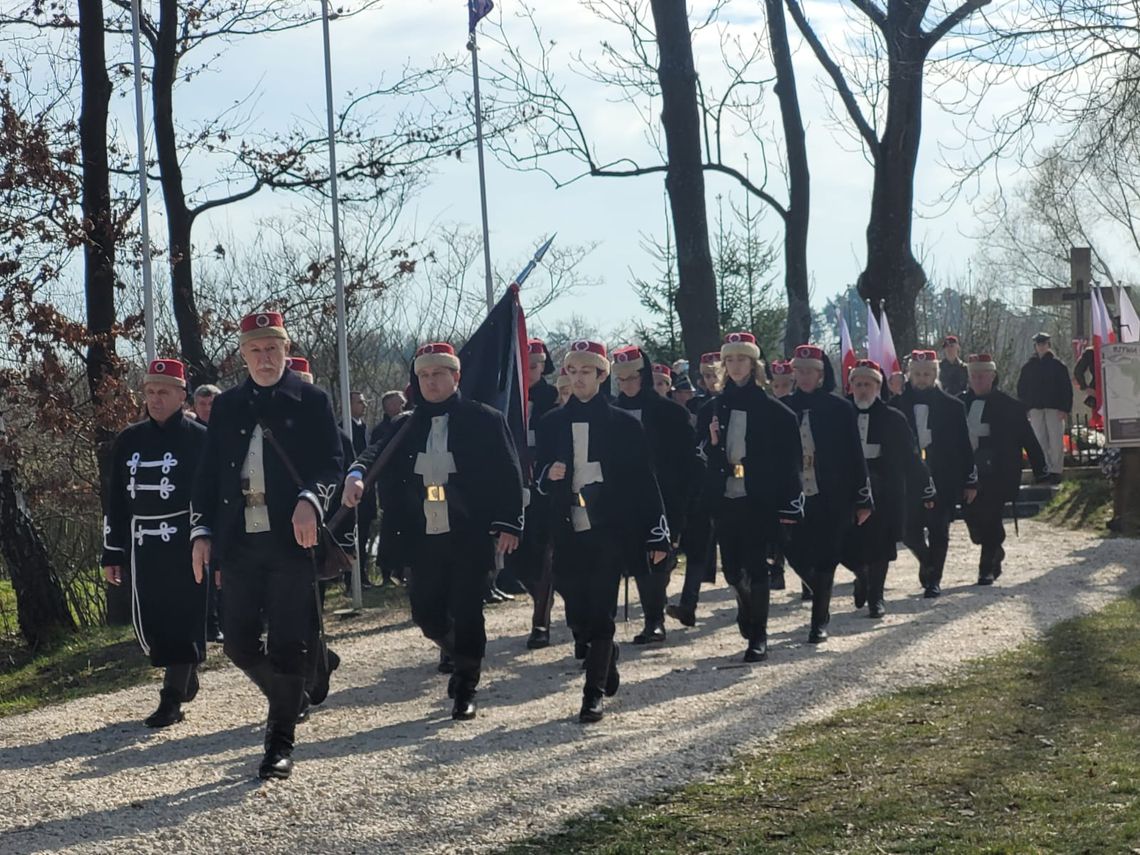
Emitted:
<point x="781" y="368"/>
<point x="980" y="362"/>
<point x="808" y="356"/>
<point x="436" y="353"/>
<point x="536" y="346"/>
<point x="166" y="371"/>
<point x="628" y="359"/>
<point x="923" y="356"/>
<point x="740" y="343"/>
<point x="300" y="365"/>
<point x="262" y="325"/>
<point x="584" y="352"/>
<point x="710" y="358"/>
<point x="950" y="339"/>
<point x="868" y="368"/>
<point x="662" y="370"/>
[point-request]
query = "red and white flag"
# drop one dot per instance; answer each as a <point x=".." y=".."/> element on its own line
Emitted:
<point x="1102" y="334"/>
<point x="888" y="358"/>
<point x="1129" y="320"/>
<point x="847" y="358"/>
<point x="874" y="337"/>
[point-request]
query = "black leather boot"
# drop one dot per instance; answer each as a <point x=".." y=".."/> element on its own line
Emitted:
<point x="285" y="698"/>
<point x="757" y="646"/>
<point x="651" y="591"/>
<point x="744" y="618"/>
<point x="598" y="662"/>
<point x="327" y="662"/>
<point x="463" y="687"/>
<point x="860" y="587"/>
<point x="876" y="582"/>
<point x="262" y="675"/>
<point x="684" y="615"/>
<point x="613" y="678"/>
<point x="821" y="607"/>
<point x="169" y="709"/>
<point x="539" y="638"/>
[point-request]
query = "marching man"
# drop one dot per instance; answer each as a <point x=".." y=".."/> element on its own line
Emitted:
<point x="673" y="452"/>
<point x="753" y="484"/>
<point x="938" y="422"/>
<point x="606" y="512"/>
<point x="999" y="430"/>
<point x="271" y="466"/>
<point x="455" y="480"/>
<point x="836" y="487"/>
<point x="896" y="470"/>
<point x="146" y="536"/>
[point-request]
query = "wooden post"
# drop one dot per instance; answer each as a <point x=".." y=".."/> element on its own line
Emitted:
<point x="1127" y="498"/>
<point x="1080" y="274"/>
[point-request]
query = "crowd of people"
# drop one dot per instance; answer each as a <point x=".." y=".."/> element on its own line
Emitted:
<point x="626" y="466"/>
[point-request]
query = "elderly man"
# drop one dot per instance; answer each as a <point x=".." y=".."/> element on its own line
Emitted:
<point x="271" y="466"/>
<point x="204" y="401"/>
<point x="938" y="422"/>
<point x="998" y="433"/>
<point x="455" y="482"/>
<point x="1045" y="389"/>
<point x="146" y="535"/>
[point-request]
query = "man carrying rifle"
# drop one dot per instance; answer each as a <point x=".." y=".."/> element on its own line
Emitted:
<point x="270" y="468"/>
<point x="453" y="477"/>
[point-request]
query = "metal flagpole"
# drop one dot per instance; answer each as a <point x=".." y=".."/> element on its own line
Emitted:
<point x="144" y="221"/>
<point x="474" y="48"/>
<point x="338" y="274"/>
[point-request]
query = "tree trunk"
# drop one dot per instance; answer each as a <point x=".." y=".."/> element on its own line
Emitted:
<point x="99" y="249"/>
<point x="41" y="606"/>
<point x="798" y="328"/>
<point x="892" y="274"/>
<point x="685" y="179"/>
<point x="179" y="218"/>
<point x="1127" y="498"/>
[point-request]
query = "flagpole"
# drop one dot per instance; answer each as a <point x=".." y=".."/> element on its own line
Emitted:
<point x="338" y="276"/>
<point x="144" y="220"/>
<point x="474" y="48"/>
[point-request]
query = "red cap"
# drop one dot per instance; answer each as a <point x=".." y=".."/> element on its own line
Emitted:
<point x="166" y="371"/>
<point x="740" y="344"/>
<point x="923" y="356"/>
<point x="950" y="339"/>
<point x="626" y="354"/>
<point x="262" y="325"/>
<point x="711" y="357"/>
<point x="734" y="337"/>
<point x="589" y="353"/>
<point x="663" y="370"/>
<point x="781" y="367"/>
<point x="980" y="362"/>
<point x="298" y="363"/>
<point x="435" y="353"/>
<point x="536" y="346"/>
<point x="866" y="368"/>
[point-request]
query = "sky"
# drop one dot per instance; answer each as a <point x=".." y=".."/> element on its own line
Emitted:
<point x="286" y="74"/>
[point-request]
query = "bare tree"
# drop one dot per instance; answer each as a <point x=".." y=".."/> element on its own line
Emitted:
<point x="889" y="125"/>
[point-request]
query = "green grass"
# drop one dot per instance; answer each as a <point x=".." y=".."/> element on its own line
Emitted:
<point x="1037" y="750"/>
<point x="103" y="659"/>
<point x="1080" y="503"/>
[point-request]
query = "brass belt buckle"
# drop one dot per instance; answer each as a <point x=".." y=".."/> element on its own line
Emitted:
<point x="581" y="500"/>
<point x="738" y="470"/>
<point x="436" y="493"/>
<point x="252" y="499"/>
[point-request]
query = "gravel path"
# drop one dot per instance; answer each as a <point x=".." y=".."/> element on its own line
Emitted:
<point x="382" y="768"/>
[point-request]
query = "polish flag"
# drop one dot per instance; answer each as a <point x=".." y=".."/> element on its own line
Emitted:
<point x="1102" y="334"/>
<point x="889" y="360"/>
<point x="874" y="337"/>
<point x="847" y="357"/>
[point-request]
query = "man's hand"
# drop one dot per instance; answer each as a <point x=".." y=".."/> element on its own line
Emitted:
<point x="862" y="515"/>
<point x="657" y="556"/>
<point x="556" y="472"/>
<point x="714" y="431"/>
<point x="353" y="491"/>
<point x="507" y="543"/>
<point x="305" y="524"/>
<point x="113" y="573"/>
<point x="200" y="557"/>
<point x="969" y="494"/>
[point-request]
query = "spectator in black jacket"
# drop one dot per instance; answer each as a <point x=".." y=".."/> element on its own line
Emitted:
<point x="1045" y="389"/>
<point x="951" y="370"/>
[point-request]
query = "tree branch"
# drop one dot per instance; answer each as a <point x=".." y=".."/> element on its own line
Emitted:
<point x="836" y="75"/>
<point x="872" y="11"/>
<point x="954" y="19"/>
<point x="758" y="192"/>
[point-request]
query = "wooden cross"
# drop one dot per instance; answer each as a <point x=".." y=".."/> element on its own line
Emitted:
<point x="1080" y="278"/>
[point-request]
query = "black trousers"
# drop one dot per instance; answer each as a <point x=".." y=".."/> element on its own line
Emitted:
<point x="587" y="573"/>
<point x="815" y="550"/>
<point x="698" y="544"/>
<point x="268" y="584"/>
<point x="927" y="535"/>
<point x="984" y="521"/>
<point x="745" y="539"/>
<point x="449" y="574"/>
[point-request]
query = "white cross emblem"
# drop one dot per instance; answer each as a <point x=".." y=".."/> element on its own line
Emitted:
<point x="531" y="441"/>
<point x="977" y="427"/>
<point x="871" y="451"/>
<point x="586" y="471"/>
<point x="736" y="449"/>
<point x="434" y="464"/>
<point x="807" y="441"/>
<point x="922" y="425"/>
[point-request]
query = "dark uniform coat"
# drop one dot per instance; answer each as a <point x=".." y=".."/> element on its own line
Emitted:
<point x="999" y="429"/>
<point x="146" y="531"/>
<point x="301" y="418"/>
<point x="938" y="422"/>
<point x="953" y="376"/>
